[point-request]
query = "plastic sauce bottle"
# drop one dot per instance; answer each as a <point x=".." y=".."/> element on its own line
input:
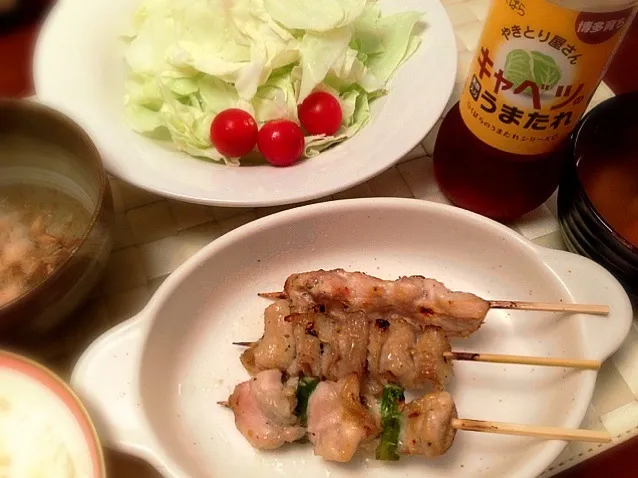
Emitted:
<point x="501" y="148"/>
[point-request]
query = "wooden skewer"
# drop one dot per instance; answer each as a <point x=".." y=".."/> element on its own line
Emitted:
<point x="593" y="309"/>
<point x="273" y="295"/>
<point x="550" y="307"/>
<point x="548" y="433"/>
<point x="510" y="359"/>
<point x="244" y="344"/>
<point x="524" y="360"/>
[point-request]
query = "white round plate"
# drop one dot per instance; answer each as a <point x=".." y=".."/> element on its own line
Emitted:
<point x="79" y="68"/>
<point x="155" y="380"/>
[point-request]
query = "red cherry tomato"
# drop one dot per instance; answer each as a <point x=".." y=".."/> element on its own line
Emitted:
<point x="320" y="113"/>
<point x="281" y="142"/>
<point x="233" y="132"/>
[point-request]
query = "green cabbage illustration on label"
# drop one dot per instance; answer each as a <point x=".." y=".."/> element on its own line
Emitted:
<point x="522" y="65"/>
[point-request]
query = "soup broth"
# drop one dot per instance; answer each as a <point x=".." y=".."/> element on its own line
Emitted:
<point x="611" y="182"/>
<point x="39" y="228"/>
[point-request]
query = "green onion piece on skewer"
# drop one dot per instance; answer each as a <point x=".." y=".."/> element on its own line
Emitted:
<point x="305" y="388"/>
<point x="391" y="423"/>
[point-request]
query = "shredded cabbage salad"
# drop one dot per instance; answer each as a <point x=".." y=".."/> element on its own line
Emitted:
<point x="188" y="60"/>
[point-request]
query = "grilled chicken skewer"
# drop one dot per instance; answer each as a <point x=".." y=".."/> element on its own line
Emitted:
<point x="333" y="416"/>
<point x="338" y="420"/>
<point x="417" y="299"/>
<point x="382" y="351"/>
<point x="583" y="364"/>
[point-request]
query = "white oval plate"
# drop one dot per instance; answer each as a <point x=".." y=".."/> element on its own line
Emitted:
<point x="154" y="381"/>
<point x="79" y="69"/>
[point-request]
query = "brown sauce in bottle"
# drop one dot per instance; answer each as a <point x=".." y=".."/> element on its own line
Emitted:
<point x="496" y="184"/>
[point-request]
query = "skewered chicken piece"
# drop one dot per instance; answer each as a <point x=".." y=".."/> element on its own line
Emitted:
<point x="276" y="348"/>
<point x="264" y="408"/>
<point x="338" y="420"/>
<point x="384" y="351"/>
<point x="400" y="354"/>
<point x="419" y="300"/>
<point x="427" y="425"/>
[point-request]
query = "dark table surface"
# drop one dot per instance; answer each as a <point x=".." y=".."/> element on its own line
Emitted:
<point x="16" y="46"/>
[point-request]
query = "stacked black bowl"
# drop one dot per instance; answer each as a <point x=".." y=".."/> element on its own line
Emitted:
<point x="604" y="134"/>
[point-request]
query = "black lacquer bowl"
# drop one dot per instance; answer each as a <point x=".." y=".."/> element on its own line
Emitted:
<point x="611" y="126"/>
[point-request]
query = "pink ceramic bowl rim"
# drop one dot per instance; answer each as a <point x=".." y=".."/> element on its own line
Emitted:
<point x="71" y="401"/>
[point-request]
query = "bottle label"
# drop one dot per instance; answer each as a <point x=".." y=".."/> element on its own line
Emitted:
<point x="536" y="67"/>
